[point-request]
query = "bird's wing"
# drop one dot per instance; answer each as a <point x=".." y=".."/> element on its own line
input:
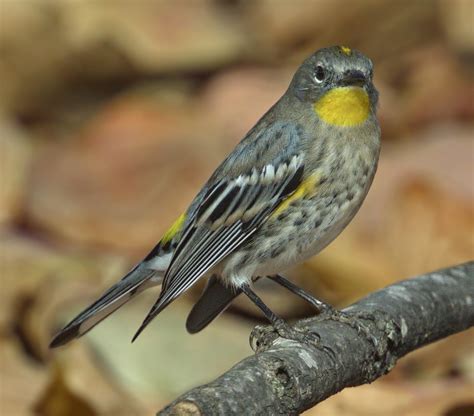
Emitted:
<point x="234" y="205"/>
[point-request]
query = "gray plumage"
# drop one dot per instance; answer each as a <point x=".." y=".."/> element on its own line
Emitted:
<point x="285" y="192"/>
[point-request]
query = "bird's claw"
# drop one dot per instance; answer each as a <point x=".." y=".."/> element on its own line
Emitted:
<point x="264" y="336"/>
<point x="299" y="335"/>
<point x="354" y="321"/>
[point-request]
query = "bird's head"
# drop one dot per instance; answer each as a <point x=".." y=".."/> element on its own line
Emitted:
<point x="337" y="83"/>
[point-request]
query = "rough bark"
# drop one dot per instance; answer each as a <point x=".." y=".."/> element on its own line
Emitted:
<point x="285" y="377"/>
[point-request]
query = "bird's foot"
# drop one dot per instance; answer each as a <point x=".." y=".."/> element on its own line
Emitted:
<point x="263" y="336"/>
<point x="354" y="321"/>
<point x="287" y="331"/>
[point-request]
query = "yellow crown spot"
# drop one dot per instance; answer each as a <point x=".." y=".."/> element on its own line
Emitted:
<point x="174" y="229"/>
<point x="343" y="106"/>
<point x="305" y="188"/>
<point x="345" y="50"/>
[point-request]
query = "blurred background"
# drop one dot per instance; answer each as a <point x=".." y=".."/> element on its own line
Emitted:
<point x="114" y="113"/>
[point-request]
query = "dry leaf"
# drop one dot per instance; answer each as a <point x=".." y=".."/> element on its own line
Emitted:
<point x="22" y="379"/>
<point x="38" y="281"/>
<point x="152" y="150"/>
<point x="440" y="398"/>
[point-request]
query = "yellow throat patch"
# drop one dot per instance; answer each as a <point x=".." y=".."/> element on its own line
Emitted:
<point x="343" y="106"/>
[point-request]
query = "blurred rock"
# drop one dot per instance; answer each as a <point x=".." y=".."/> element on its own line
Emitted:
<point x="15" y="163"/>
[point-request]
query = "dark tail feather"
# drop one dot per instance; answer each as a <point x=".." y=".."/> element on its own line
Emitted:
<point x="213" y="301"/>
<point x="133" y="283"/>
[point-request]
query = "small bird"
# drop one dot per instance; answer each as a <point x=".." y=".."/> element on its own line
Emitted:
<point x="284" y="193"/>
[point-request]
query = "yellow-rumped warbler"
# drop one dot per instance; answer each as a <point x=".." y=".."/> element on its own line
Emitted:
<point x="285" y="192"/>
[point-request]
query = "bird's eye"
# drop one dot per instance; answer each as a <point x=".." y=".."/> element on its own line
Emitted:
<point x="319" y="74"/>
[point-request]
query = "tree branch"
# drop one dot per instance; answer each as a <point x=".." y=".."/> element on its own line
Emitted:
<point x="286" y="378"/>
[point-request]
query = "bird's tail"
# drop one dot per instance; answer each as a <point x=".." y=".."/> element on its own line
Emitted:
<point x="214" y="300"/>
<point x="134" y="282"/>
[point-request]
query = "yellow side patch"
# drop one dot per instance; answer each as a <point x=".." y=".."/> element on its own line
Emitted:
<point x="346" y="50"/>
<point x="174" y="229"/>
<point x="343" y="106"/>
<point x="305" y="188"/>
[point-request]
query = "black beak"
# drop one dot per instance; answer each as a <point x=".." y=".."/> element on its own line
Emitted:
<point x="356" y="78"/>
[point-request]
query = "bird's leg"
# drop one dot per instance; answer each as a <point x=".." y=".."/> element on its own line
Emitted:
<point x="322" y="307"/>
<point x="326" y="311"/>
<point x="279" y="324"/>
